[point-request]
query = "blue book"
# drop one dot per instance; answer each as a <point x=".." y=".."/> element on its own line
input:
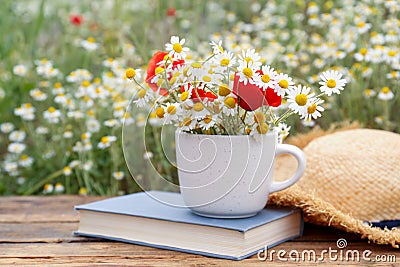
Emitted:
<point x="140" y="219"/>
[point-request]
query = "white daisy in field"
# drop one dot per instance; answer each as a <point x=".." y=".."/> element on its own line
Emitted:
<point x="93" y="125"/>
<point x="11" y="168"/>
<point x="207" y="122"/>
<point x="331" y="82"/>
<point x="314" y="110"/>
<point x="42" y="130"/>
<point x="26" y="111"/>
<point x="299" y="98"/>
<point x="199" y="110"/>
<point x="308" y="123"/>
<point x="17" y="136"/>
<point x="393" y="75"/>
<point x="20" y="70"/>
<point x="37" y="94"/>
<point x="196" y="70"/>
<point x="217" y="47"/>
<point x="106" y="141"/>
<point x="59" y="188"/>
<point x="25" y="161"/>
<point x="267" y="79"/>
<point x="6" y="127"/>
<point x="368" y="93"/>
<point x="48" y="188"/>
<point x="68" y="134"/>
<point x="89" y="44"/>
<point x="283" y="83"/>
<point x="52" y="115"/>
<point x="17" y="148"/>
<point x="176" y="49"/>
<point x="119" y="175"/>
<point x="385" y="94"/>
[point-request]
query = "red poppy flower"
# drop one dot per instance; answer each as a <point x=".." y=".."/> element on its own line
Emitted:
<point x="151" y="71"/>
<point x="251" y="97"/>
<point x="171" y="12"/>
<point x="76" y="20"/>
<point x="202" y="95"/>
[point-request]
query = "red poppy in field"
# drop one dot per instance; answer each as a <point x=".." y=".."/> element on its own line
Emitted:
<point x="171" y="12"/>
<point x="251" y="97"/>
<point x="76" y="20"/>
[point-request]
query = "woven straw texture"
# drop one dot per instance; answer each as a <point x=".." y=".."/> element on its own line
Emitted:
<point x="351" y="176"/>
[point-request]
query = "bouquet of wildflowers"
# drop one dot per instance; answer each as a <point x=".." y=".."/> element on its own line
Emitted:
<point x="227" y="93"/>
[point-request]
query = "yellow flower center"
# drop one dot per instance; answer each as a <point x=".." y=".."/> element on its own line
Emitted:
<point x="247" y="59"/>
<point x="158" y="70"/>
<point x="91" y="40"/>
<point x="262" y="128"/>
<point x="363" y="51"/>
<point x="172" y="81"/>
<point x="67" y="169"/>
<point x="196" y="65"/>
<point x="312" y="108"/>
<point x="184" y="96"/>
<point x="85" y="83"/>
<point x="104" y="140"/>
<point x="248" y="72"/>
<point x="141" y="93"/>
<point x="230" y="102"/>
<point x="223" y="90"/>
<point x="57" y="85"/>
<point x="385" y="90"/>
<point x="207" y="119"/>
<point x="160" y="82"/>
<point x="331" y="83"/>
<point x="301" y="99"/>
<point x="207" y="79"/>
<point x="224" y="62"/>
<point x="24" y="157"/>
<point x="160" y="112"/>
<point x="177" y="47"/>
<point x="130" y="73"/>
<point x="391" y="53"/>
<point x="51" y="109"/>
<point x="186" y="121"/>
<point x="259" y="117"/>
<point x="171" y="109"/>
<point x="198" y="107"/>
<point x="361" y="24"/>
<point x="283" y="84"/>
<point x="265" y="78"/>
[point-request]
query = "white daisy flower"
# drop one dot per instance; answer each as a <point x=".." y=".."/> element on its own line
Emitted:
<point x="283" y="82"/>
<point x="59" y="188"/>
<point x="187" y="123"/>
<point x="267" y="79"/>
<point x="89" y="44"/>
<point x="17" y="148"/>
<point x="25" y="111"/>
<point x="144" y="96"/>
<point x="217" y="47"/>
<point x="20" y="70"/>
<point x="228" y="105"/>
<point x="224" y="60"/>
<point x="385" y="94"/>
<point x="52" y="115"/>
<point x="25" y="161"/>
<point x="308" y="123"/>
<point x="199" y="110"/>
<point x="17" y="136"/>
<point x="331" y="82"/>
<point x="106" y="141"/>
<point x="196" y="70"/>
<point x="299" y="98"/>
<point x="93" y="125"/>
<point x="6" y="127"/>
<point x="251" y="56"/>
<point x="48" y="188"/>
<point x="119" y="175"/>
<point x="283" y="131"/>
<point x="171" y="113"/>
<point x="176" y="49"/>
<point x="207" y="122"/>
<point x="37" y="95"/>
<point x="246" y="72"/>
<point x="368" y="93"/>
<point x="314" y="110"/>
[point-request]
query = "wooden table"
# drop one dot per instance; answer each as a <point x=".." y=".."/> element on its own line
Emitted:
<point x="37" y="231"/>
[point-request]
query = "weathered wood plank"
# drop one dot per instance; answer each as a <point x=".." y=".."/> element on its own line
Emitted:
<point x="41" y="209"/>
<point x="112" y="251"/>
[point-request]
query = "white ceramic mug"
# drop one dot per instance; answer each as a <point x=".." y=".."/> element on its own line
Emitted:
<point x="224" y="176"/>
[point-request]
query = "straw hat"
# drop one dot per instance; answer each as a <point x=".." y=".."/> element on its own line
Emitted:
<point x="352" y="176"/>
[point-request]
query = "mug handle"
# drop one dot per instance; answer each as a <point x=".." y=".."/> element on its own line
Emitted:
<point x="301" y="167"/>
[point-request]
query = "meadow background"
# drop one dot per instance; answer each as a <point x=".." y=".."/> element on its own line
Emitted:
<point x="55" y="139"/>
